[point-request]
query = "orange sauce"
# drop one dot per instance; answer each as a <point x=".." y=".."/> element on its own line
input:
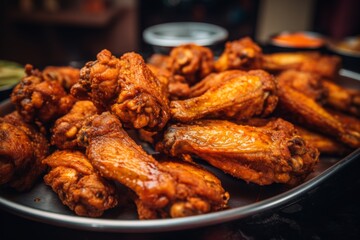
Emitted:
<point x="298" y="39"/>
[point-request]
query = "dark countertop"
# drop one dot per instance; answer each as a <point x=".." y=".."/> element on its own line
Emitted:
<point x="332" y="212"/>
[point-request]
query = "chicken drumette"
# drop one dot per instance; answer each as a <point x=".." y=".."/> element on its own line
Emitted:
<point x="232" y="95"/>
<point x="191" y="61"/>
<point x="38" y="99"/>
<point x="65" y="129"/>
<point x="126" y="87"/>
<point x="77" y="184"/>
<point x="241" y="54"/>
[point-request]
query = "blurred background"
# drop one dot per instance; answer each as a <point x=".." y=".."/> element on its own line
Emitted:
<point x="61" y="32"/>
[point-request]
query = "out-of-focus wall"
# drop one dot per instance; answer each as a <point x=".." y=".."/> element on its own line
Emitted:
<point x="59" y="32"/>
<point x="279" y="15"/>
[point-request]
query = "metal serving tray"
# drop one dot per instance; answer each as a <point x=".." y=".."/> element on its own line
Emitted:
<point x="43" y="205"/>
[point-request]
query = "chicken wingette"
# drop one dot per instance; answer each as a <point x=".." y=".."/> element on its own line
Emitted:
<point x="324" y="65"/>
<point x="301" y="107"/>
<point x="264" y="155"/>
<point x="342" y="99"/>
<point x="162" y="189"/>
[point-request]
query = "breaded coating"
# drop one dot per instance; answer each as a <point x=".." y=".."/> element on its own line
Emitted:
<point x="78" y="185"/>
<point x="37" y="99"/>
<point x="22" y="148"/>
<point x="126" y="87"/>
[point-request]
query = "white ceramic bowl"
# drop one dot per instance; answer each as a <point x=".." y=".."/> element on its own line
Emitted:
<point x="163" y="37"/>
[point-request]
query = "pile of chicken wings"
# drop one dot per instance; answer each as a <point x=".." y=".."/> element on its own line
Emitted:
<point x="262" y="118"/>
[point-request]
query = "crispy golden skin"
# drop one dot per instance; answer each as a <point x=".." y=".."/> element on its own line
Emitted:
<point x="324" y="144"/>
<point x="77" y="184"/>
<point x="67" y="76"/>
<point x="175" y="85"/>
<point x="22" y="148"/>
<point x="126" y="87"/>
<point x="309" y="84"/>
<point x="306" y="111"/>
<point x="159" y="60"/>
<point x="38" y="99"/>
<point x="237" y="96"/>
<point x="65" y="129"/>
<point x="342" y="99"/>
<point x="325" y="92"/>
<point x="213" y="80"/>
<point x="263" y="155"/>
<point x="161" y="190"/>
<point x="241" y="54"/>
<point x="191" y="61"/>
<point x="314" y="62"/>
<point x="201" y="190"/>
<point x="349" y="121"/>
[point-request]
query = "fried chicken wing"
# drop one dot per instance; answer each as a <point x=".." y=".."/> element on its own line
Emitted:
<point x="263" y="155"/>
<point x="191" y="61"/>
<point x="324" y="144"/>
<point x="306" y="111"/>
<point x="160" y="189"/>
<point x="201" y="189"/>
<point x="342" y="99"/>
<point x="77" y="184"/>
<point x="349" y="121"/>
<point x="65" y="129"/>
<point x="159" y="60"/>
<point x="38" y="99"/>
<point x="67" y="76"/>
<point x="323" y="91"/>
<point x="324" y="65"/>
<point x="237" y="96"/>
<point x="241" y="54"/>
<point x="175" y="85"/>
<point x="309" y="84"/>
<point x="126" y="87"/>
<point x="22" y="148"/>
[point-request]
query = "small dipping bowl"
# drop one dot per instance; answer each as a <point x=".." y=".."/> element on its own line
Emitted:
<point x="297" y="41"/>
<point x="348" y="49"/>
<point x="163" y="37"/>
